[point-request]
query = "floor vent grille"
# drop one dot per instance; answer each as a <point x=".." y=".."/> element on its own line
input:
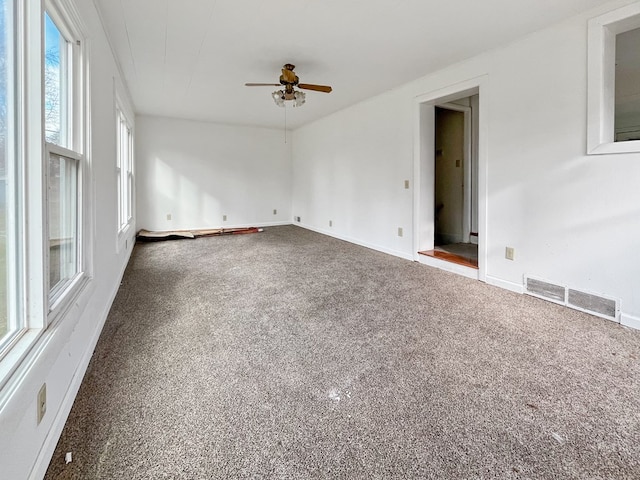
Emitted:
<point x="605" y="307"/>
<point x="599" y="305"/>
<point x="546" y="290"/>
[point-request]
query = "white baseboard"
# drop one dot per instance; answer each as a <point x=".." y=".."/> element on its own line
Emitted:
<point x="48" y="447"/>
<point x="372" y="246"/>
<point x="630" y="321"/>
<point x="271" y="224"/>
<point x="498" y="282"/>
<point x="225" y="227"/>
<point x="245" y="225"/>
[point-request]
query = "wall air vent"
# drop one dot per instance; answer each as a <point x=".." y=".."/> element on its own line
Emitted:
<point x="601" y="306"/>
<point x="546" y="290"/>
<point x="598" y="305"/>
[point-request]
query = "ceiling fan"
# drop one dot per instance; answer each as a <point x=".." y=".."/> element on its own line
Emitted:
<point x="290" y="80"/>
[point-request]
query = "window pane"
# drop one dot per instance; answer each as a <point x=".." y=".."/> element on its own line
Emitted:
<point x="129" y="174"/>
<point x="56" y="98"/>
<point x="124" y="171"/>
<point x="7" y="164"/>
<point x="121" y="169"/>
<point x="63" y="222"/>
<point x="627" y="96"/>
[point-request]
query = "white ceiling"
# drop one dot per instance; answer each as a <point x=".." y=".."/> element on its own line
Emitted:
<point x="191" y="58"/>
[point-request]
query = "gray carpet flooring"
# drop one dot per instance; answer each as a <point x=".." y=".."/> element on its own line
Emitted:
<point x="289" y="354"/>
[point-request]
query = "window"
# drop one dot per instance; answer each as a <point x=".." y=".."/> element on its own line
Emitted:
<point x="627" y="89"/>
<point x="11" y="322"/>
<point x="614" y="82"/>
<point x="56" y="85"/>
<point x="124" y="169"/>
<point x="45" y="241"/>
<point x="62" y="132"/>
<point x="63" y="222"/>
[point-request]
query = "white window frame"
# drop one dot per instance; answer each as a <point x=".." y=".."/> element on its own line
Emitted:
<point x="30" y="189"/>
<point x="125" y="180"/>
<point x="39" y="314"/>
<point x="601" y="79"/>
<point x="56" y="296"/>
<point x="66" y="19"/>
<point x="14" y="170"/>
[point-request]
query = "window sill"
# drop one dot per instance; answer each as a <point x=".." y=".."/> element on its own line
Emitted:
<point x="29" y="347"/>
<point x="14" y="358"/>
<point x="615" y="147"/>
<point x="74" y="294"/>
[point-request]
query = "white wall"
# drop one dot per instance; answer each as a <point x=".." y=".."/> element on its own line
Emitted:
<point x="197" y="172"/>
<point x="571" y="218"/>
<point x="60" y="358"/>
<point x="350" y="168"/>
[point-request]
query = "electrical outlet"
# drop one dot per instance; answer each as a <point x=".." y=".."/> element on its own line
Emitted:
<point x="509" y="253"/>
<point x="331" y="223"/>
<point x="406" y="184"/>
<point x="399" y="231"/>
<point x="224" y="218"/>
<point x="297" y="219"/>
<point x="275" y="212"/>
<point x="168" y="216"/>
<point x="41" y="402"/>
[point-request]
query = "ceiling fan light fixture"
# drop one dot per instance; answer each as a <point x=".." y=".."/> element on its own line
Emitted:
<point x="289" y="80"/>
<point x="299" y="98"/>
<point x="281" y="96"/>
<point x="278" y="97"/>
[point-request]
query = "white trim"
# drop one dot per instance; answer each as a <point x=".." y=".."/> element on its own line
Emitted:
<point x="449" y="266"/>
<point x="511" y="286"/>
<point x="423" y="160"/>
<point x="260" y="225"/>
<point x="602" y="31"/>
<point x="66" y="16"/>
<point x="61" y="152"/>
<point x="59" y="297"/>
<point x="125" y="177"/>
<point x="14" y="176"/>
<point x="372" y="246"/>
<point x="244" y="225"/>
<point x="227" y="227"/>
<point x="630" y="321"/>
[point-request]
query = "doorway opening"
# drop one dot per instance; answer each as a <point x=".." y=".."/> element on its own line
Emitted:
<point x="450" y="197"/>
<point x="456" y="204"/>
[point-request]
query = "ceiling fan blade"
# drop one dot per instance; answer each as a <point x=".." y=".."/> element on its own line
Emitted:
<point x="262" y="84"/>
<point x="317" y="88"/>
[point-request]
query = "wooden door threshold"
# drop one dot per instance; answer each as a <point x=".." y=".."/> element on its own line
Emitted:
<point x="451" y="257"/>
